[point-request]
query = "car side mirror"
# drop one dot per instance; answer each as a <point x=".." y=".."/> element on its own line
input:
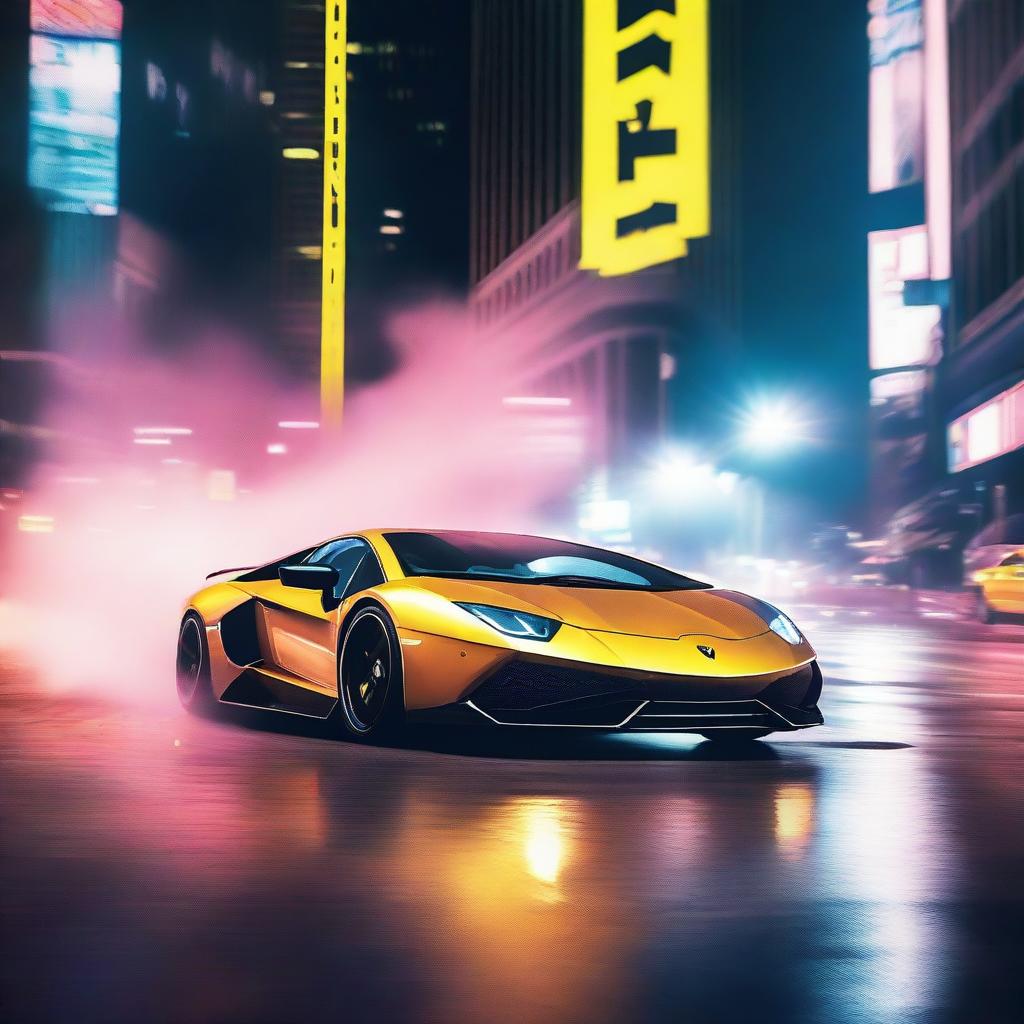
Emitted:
<point x="309" y="577"/>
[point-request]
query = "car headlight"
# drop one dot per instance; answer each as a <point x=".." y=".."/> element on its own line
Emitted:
<point x="784" y="626"/>
<point x="521" y="625"/>
<point x="777" y="621"/>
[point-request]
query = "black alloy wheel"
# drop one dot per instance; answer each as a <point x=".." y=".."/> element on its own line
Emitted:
<point x="193" y="665"/>
<point x="370" y="674"/>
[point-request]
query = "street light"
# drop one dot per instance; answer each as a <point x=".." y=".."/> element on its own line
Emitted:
<point x="772" y="426"/>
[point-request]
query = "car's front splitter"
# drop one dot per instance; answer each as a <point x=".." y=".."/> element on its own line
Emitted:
<point x="535" y="694"/>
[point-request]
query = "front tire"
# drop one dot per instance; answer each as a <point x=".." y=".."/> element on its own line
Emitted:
<point x="371" y="702"/>
<point x="193" y="666"/>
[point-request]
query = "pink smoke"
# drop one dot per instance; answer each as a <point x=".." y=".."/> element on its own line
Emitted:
<point x="95" y="603"/>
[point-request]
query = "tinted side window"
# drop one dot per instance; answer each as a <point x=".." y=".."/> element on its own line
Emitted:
<point x="333" y="553"/>
<point x="1014" y="559"/>
<point x="343" y="555"/>
<point x="368" y="574"/>
<point x="357" y="565"/>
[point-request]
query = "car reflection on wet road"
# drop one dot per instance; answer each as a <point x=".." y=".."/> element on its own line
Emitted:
<point x="159" y="867"/>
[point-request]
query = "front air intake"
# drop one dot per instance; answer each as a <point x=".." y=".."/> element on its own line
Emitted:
<point x="524" y="685"/>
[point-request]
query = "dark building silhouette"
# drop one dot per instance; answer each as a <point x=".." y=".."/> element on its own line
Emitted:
<point x="197" y="159"/>
<point x="983" y="393"/>
<point x="407" y="168"/>
<point x="23" y="237"/>
<point x="632" y="349"/>
<point x="526" y="116"/>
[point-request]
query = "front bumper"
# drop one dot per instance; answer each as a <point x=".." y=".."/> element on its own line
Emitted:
<point x="528" y="692"/>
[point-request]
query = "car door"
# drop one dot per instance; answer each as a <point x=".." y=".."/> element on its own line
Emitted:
<point x="1008" y="584"/>
<point x="299" y="628"/>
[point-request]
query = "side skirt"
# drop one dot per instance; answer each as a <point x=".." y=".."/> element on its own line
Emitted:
<point x="273" y="691"/>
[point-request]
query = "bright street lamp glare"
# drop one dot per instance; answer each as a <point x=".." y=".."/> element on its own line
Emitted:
<point x="772" y="427"/>
<point x="680" y="474"/>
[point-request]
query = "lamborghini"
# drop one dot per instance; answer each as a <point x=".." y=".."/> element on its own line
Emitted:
<point x="382" y="627"/>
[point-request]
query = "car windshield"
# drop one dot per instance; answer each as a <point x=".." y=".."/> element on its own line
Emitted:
<point x="512" y="558"/>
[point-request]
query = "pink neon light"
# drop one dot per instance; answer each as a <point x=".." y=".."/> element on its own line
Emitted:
<point x="992" y="429"/>
<point x="938" y="186"/>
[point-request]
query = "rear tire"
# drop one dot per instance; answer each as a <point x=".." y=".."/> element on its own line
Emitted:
<point x="984" y="610"/>
<point x="371" y="696"/>
<point x="736" y="737"/>
<point x="193" y="666"/>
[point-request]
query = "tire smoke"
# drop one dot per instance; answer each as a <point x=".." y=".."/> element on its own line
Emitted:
<point x="128" y="512"/>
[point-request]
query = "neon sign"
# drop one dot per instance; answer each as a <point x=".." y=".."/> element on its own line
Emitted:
<point x="646" y="180"/>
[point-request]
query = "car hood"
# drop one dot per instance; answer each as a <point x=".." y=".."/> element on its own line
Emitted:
<point x="661" y="614"/>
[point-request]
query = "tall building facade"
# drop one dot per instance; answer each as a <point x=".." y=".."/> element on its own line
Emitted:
<point x="60" y="93"/>
<point x="630" y="349"/>
<point x="946" y="274"/>
<point x="137" y="165"/>
<point x="983" y="392"/>
<point x="526" y="83"/>
<point x="196" y="163"/>
<point x="407" y="173"/>
<point x="908" y="245"/>
<point x="22" y="241"/>
<point x="298" y="86"/>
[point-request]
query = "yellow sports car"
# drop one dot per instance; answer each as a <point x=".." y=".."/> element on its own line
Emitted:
<point x="1000" y="588"/>
<point x="380" y="627"/>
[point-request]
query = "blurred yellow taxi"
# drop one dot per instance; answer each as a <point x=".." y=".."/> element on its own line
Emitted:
<point x="1000" y="589"/>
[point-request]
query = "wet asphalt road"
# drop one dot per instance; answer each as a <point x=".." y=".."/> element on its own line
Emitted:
<point x="161" y="868"/>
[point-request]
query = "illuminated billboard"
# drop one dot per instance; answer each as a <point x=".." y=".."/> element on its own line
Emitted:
<point x="900" y="335"/>
<point x="992" y="429"/>
<point x="646" y="185"/>
<point x="83" y="19"/>
<point x="75" y="104"/>
<point x="896" y="94"/>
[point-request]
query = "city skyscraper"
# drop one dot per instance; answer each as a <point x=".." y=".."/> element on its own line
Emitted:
<point x="626" y="348"/>
<point x="946" y="275"/>
<point x="907" y="313"/>
<point x="407" y="177"/>
<point x="983" y="393"/>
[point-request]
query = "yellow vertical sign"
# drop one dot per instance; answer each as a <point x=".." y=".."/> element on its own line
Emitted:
<point x="332" y="304"/>
<point x="646" y="176"/>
